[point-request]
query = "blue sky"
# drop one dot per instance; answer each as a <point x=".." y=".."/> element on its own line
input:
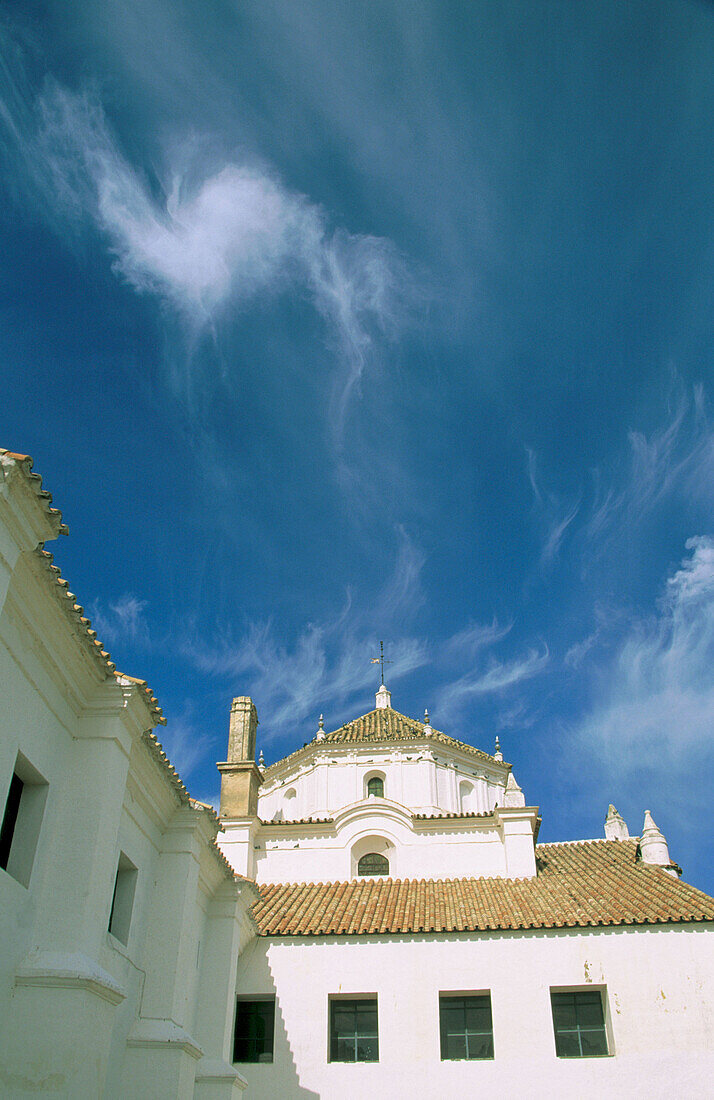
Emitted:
<point x="332" y="322"/>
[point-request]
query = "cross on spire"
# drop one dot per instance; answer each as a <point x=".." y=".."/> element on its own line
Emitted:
<point x="381" y="661"/>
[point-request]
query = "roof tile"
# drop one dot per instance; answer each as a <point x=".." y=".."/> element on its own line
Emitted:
<point x="589" y="883"/>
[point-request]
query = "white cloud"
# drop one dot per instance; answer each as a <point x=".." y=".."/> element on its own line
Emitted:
<point x="678" y="457"/>
<point x="122" y="622"/>
<point x="328" y="664"/>
<point x="496" y="678"/>
<point x="654" y="709"/>
<point x="554" y="514"/>
<point x="224" y="231"/>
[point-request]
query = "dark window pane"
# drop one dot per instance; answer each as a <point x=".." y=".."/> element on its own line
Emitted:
<point x="478" y="1019"/>
<point x="567" y="1045"/>
<point x="255" y="1024"/>
<point x="353" y="1031"/>
<point x="563" y="1010"/>
<point x="579" y="1024"/>
<point x="7" y="830"/>
<point x="373" y="864"/>
<point x="590" y="1014"/>
<point x="466" y="1027"/>
<point x="367" y="1050"/>
<point x="593" y="1042"/>
<point x="455" y="1046"/>
<point x="376" y="787"/>
<point x="481" y="1046"/>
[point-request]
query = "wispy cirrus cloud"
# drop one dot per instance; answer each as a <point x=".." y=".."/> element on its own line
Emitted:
<point x="554" y="515"/>
<point x="653" y="700"/>
<point x="213" y="230"/>
<point x="325" y="667"/>
<point x="494" y="677"/>
<point x="122" y="622"/>
<point x="678" y="457"/>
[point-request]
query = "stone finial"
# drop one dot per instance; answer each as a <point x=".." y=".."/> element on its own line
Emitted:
<point x="498" y="755"/>
<point x="320" y="735"/>
<point x="384" y="698"/>
<point x="261" y="761"/>
<point x="653" y="847"/>
<point x="427" y="726"/>
<point x="242" y="729"/>
<point x="514" y="795"/>
<point x="615" y="825"/>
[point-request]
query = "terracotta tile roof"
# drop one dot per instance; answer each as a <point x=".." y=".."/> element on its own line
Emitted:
<point x="383" y="725"/>
<point x="589" y="883"/>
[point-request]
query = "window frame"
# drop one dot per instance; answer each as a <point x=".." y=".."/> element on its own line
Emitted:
<point x="22" y="819"/>
<point x="604" y="1028"/>
<point x="344" y="1002"/>
<point x="464" y="996"/>
<point x="375" y="779"/>
<point x="383" y="873"/>
<point x="122" y="907"/>
<point x="264" y="1057"/>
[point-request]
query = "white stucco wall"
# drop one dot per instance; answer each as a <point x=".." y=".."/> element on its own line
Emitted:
<point x="659" y="988"/>
<point x="419" y="849"/>
<point x="425" y="779"/>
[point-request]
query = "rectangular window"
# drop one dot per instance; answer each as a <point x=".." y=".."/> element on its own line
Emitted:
<point x="466" y="1026"/>
<point x="353" y="1030"/>
<point x="123" y="899"/>
<point x="579" y="1023"/>
<point x="22" y="820"/>
<point x="255" y="1024"/>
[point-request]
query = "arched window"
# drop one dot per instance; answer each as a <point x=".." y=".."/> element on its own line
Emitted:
<point x="373" y="864"/>
<point x="375" y="787"/>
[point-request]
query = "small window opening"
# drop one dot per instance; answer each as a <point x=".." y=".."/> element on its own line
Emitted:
<point x="22" y="820"/>
<point x="255" y="1025"/>
<point x="375" y="787"/>
<point x="353" y="1030"/>
<point x="123" y="899"/>
<point x="579" y="1024"/>
<point x="466" y="1027"/>
<point x="373" y="864"/>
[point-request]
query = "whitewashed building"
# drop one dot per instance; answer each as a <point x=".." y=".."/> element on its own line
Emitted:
<point x="375" y="917"/>
<point x="120" y="921"/>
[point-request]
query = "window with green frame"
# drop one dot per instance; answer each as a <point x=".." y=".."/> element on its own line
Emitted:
<point x="579" y="1023"/>
<point x="353" y="1030"/>
<point x="466" y="1026"/>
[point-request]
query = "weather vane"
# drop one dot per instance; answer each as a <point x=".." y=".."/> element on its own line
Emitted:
<point x="381" y="660"/>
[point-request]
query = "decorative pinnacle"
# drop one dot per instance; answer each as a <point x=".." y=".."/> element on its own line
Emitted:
<point x="261" y="760"/>
<point x="426" y="717"/>
<point x="498" y="755"/>
<point x="320" y="735"/>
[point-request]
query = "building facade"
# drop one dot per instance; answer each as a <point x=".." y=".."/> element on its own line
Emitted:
<point x="371" y="916"/>
<point x="416" y="941"/>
